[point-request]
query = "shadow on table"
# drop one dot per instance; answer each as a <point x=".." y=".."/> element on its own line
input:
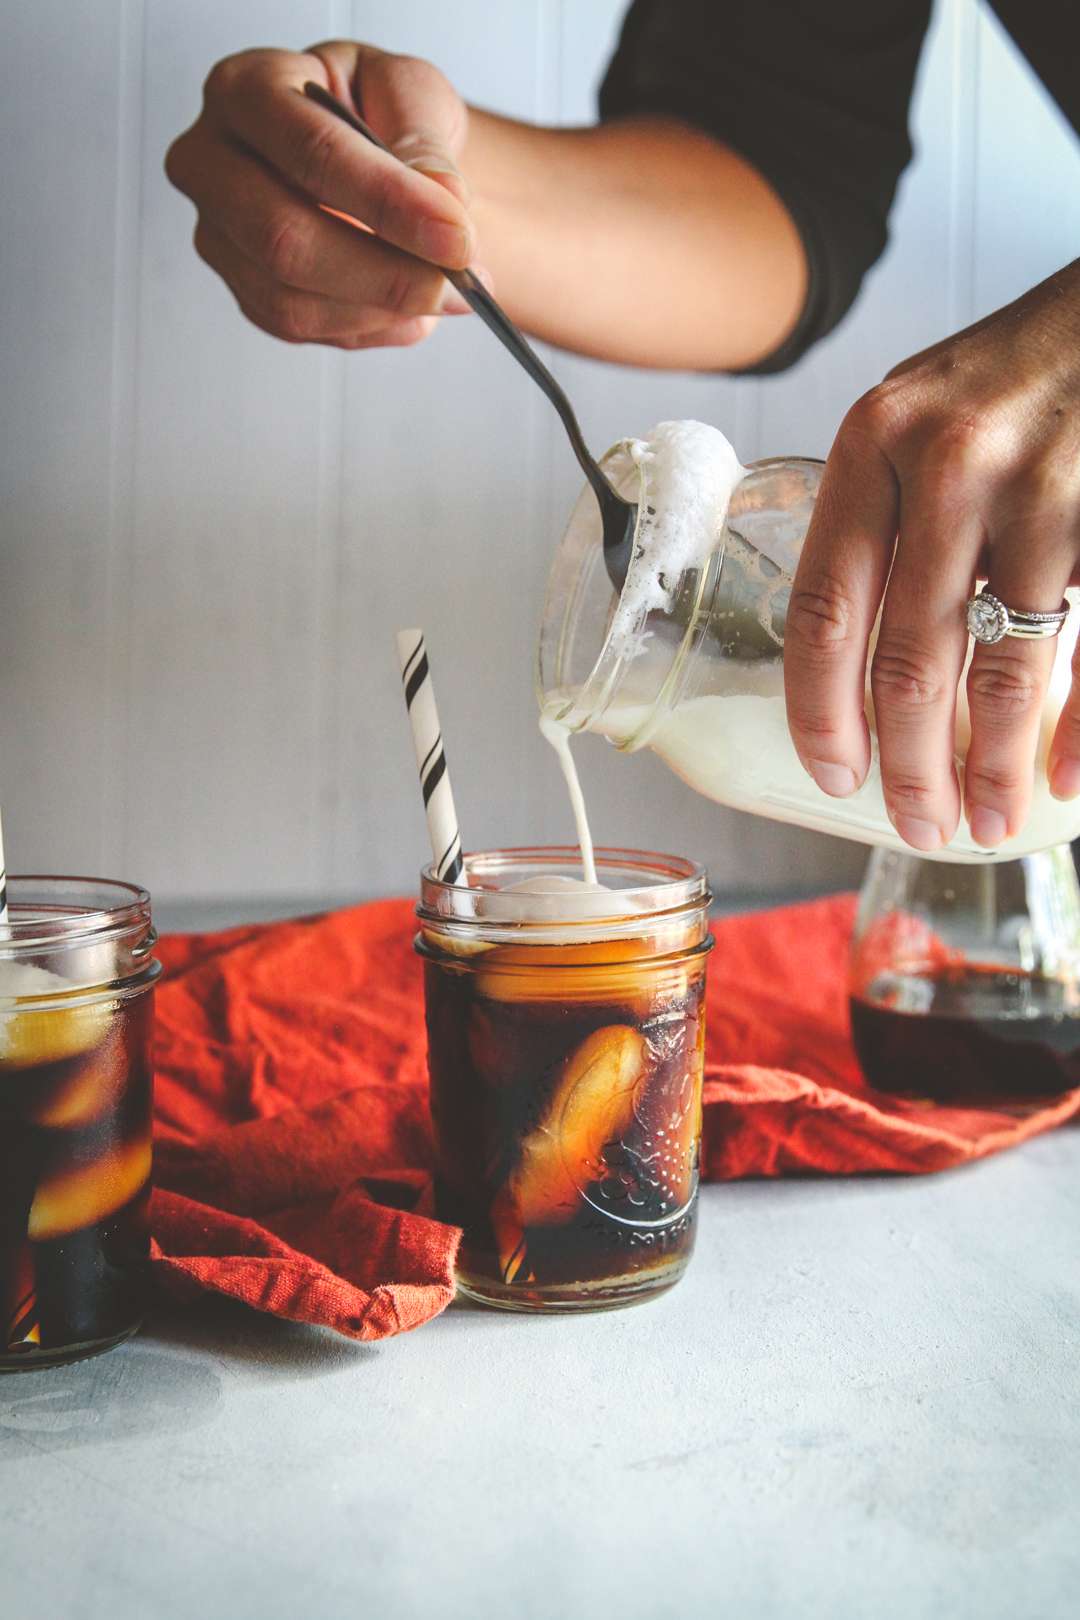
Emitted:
<point x="267" y="1346"/>
<point x="167" y="1379"/>
<point x="136" y="1389"/>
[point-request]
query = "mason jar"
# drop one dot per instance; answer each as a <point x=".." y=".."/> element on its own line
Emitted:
<point x="77" y="974"/>
<point x="566" y="1039"/>
<point x="700" y="678"/>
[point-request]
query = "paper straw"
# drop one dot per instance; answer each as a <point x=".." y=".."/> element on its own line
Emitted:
<point x="3" y="884"/>
<point x="430" y="758"/>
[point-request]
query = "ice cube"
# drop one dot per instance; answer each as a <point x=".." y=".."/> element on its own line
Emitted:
<point x="31" y="1034"/>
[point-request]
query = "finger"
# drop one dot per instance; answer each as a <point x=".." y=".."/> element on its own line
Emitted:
<point x="398" y="335"/>
<point x="296" y="242"/>
<point x="408" y="102"/>
<point x="1063" y="762"/>
<point x="834" y="601"/>
<point x="918" y="661"/>
<point x="1006" y="687"/>
<point x="301" y="317"/>
<point x="258" y="98"/>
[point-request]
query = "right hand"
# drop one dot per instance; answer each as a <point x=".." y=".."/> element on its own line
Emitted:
<point x="261" y="158"/>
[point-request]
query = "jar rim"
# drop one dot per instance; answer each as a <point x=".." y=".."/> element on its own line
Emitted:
<point x="677" y="885"/>
<point x="577" y="705"/>
<point x="61" y="910"/>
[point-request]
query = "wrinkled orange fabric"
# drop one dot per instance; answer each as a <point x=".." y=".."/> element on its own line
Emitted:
<point x="293" y="1152"/>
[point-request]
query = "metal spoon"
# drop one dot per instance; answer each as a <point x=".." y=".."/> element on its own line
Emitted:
<point x="618" y="516"/>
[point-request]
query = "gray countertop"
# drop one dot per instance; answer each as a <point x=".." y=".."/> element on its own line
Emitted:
<point x="861" y="1401"/>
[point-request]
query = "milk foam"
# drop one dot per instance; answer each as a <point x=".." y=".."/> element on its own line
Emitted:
<point x="688" y="472"/>
<point x="559" y="898"/>
<point x="554" y="883"/>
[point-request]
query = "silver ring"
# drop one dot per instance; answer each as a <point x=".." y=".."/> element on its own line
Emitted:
<point x="989" y="620"/>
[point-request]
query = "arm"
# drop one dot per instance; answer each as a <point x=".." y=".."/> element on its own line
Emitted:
<point x="640" y="240"/>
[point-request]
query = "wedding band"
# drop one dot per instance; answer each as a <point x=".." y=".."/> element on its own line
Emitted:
<point x="989" y="620"/>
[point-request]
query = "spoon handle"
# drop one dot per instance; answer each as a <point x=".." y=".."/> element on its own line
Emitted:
<point x="490" y="312"/>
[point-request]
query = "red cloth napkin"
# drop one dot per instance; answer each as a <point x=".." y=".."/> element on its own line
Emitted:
<point x="293" y="1153"/>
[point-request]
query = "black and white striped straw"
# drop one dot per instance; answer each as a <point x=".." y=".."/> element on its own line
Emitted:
<point x="430" y="757"/>
<point x="3" y="885"/>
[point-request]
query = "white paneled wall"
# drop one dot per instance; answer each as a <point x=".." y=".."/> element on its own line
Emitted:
<point x="206" y="537"/>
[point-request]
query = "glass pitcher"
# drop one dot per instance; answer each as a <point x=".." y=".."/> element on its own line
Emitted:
<point x="700" y="679"/>
<point x="965" y="980"/>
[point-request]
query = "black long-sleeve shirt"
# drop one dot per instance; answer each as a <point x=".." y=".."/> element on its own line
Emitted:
<point x="815" y="95"/>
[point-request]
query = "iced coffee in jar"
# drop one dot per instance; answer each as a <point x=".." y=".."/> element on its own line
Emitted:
<point x="566" y="1042"/>
<point x="77" y="973"/>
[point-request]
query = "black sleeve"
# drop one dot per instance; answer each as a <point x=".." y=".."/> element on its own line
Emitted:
<point x="813" y="93"/>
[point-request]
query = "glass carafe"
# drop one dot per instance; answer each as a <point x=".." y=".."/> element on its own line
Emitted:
<point x="965" y="980"/>
<point x="699" y="679"/>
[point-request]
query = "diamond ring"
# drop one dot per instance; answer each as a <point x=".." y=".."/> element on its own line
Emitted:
<point x="989" y="620"/>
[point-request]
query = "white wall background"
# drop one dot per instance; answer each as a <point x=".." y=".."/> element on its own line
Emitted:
<point x="207" y="537"/>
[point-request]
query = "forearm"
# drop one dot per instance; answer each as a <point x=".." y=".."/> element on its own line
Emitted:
<point x="641" y="241"/>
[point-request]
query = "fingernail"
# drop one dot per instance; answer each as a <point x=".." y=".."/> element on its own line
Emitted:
<point x="988" y="827"/>
<point x="924" y="835"/>
<point x="442" y="242"/>
<point x="419" y="152"/>
<point x="483" y="275"/>
<point x="445" y="175"/>
<point x="1065" y="779"/>
<point x="432" y="163"/>
<point x="836" y="780"/>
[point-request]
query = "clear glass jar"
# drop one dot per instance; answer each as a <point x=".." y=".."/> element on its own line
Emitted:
<point x="701" y="679"/>
<point x="965" y="980"/>
<point x="565" y="1048"/>
<point x="77" y="974"/>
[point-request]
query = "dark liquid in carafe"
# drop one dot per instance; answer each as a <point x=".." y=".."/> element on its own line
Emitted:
<point x="973" y="1036"/>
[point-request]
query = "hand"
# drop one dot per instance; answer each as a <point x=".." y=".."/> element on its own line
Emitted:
<point x="262" y="165"/>
<point x="964" y="463"/>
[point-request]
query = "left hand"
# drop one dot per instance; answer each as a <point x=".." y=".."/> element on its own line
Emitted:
<point x="963" y="464"/>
